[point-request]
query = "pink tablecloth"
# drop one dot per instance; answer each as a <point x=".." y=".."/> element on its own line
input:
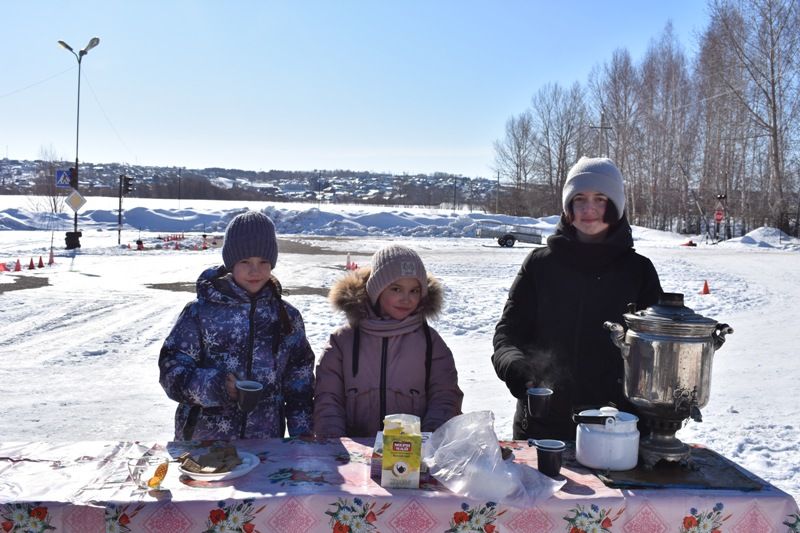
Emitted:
<point x="302" y="485"/>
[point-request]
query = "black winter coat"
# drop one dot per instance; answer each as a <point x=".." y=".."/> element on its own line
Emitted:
<point x="551" y="331"/>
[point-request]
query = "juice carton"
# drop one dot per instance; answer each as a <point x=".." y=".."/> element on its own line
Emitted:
<point x="376" y="461"/>
<point x="402" y="451"/>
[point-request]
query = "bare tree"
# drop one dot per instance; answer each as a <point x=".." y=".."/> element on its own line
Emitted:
<point x="684" y="137"/>
<point x="559" y="120"/>
<point x="764" y="37"/>
<point x="45" y="195"/>
<point x="668" y="132"/>
<point x="514" y="153"/>
<point x="727" y="134"/>
<point x="615" y="92"/>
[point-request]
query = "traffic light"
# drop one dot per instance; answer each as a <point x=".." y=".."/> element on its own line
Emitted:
<point x="73" y="178"/>
<point x="127" y="184"/>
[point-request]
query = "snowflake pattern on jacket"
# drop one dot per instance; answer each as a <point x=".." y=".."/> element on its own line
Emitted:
<point x="226" y="330"/>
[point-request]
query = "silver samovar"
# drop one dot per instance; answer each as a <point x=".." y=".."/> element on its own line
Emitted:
<point x="668" y="351"/>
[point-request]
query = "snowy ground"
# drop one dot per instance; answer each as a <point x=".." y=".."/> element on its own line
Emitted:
<point x="79" y="353"/>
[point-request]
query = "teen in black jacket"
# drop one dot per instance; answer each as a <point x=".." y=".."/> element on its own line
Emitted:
<point x="551" y="333"/>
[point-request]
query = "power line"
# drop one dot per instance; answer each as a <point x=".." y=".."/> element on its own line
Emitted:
<point x="108" y="120"/>
<point x="34" y="84"/>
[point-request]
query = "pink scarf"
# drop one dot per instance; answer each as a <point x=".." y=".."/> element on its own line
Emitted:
<point x="389" y="327"/>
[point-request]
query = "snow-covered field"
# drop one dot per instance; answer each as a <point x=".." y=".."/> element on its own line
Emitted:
<point x="78" y="354"/>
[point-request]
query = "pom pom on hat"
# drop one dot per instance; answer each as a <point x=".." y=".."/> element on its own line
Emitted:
<point x="391" y="263"/>
<point x="250" y="234"/>
<point x="595" y="174"/>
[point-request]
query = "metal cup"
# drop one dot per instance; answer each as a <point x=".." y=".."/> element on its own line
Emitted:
<point x="249" y="394"/>
<point x="549" y="453"/>
<point x="539" y="401"/>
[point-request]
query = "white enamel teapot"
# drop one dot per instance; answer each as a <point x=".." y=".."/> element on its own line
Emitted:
<point x="607" y="439"/>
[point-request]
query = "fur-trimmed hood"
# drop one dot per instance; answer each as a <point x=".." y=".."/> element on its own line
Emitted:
<point x="349" y="294"/>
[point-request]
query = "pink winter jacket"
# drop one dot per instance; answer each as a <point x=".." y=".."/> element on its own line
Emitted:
<point x="350" y="405"/>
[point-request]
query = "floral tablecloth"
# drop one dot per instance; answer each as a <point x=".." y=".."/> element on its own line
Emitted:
<point x="325" y="485"/>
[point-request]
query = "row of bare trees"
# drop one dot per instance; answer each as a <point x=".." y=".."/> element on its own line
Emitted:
<point x="684" y="131"/>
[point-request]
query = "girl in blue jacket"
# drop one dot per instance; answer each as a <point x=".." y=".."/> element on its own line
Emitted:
<point x="239" y="327"/>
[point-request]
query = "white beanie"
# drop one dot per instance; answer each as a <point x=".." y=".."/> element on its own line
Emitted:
<point x="595" y="174"/>
<point x="391" y="263"/>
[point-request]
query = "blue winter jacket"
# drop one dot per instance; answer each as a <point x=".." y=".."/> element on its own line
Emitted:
<point x="261" y="338"/>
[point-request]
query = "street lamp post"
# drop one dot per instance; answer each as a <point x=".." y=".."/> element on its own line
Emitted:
<point x="73" y="237"/>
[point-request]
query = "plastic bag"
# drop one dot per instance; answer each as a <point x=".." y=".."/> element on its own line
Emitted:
<point x="464" y="455"/>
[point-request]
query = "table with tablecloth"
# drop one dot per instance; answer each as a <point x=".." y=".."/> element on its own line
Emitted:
<point x="304" y="485"/>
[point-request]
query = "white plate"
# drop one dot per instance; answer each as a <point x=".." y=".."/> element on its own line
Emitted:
<point x="249" y="462"/>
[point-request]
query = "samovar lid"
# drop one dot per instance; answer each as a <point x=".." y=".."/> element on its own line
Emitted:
<point x="670" y="317"/>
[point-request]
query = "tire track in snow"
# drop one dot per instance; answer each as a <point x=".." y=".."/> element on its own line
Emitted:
<point x="85" y="329"/>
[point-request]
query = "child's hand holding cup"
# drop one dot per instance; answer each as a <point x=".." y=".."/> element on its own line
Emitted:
<point x="248" y="394"/>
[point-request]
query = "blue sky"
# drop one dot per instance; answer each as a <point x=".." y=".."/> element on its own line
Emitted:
<point x="411" y="86"/>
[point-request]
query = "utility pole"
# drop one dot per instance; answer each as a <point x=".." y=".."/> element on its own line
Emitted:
<point x="696" y="202"/>
<point x="319" y="189"/>
<point x="796" y="218"/>
<point x="455" y="184"/>
<point x="119" y="213"/>
<point x="73" y="237"/>
<point x="603" y="133"/>
<point x="125" y="187"/>
<point x="497" y="195"/>
<point x="721" y="214"/>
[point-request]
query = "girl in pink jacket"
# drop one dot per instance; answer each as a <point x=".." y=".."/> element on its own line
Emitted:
<point x="387" y="359"/>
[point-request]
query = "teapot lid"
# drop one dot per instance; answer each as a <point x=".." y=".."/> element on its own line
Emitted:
<point x="610" y="412"/>
<point x="670" y="317"/>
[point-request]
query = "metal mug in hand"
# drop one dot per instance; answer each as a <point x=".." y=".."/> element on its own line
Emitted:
<point x="249" y="394"/>
<point x="539" y="401"/>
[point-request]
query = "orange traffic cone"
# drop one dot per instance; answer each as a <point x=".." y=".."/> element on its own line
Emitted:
<point x="3" y="267"/>
<point x="705" y="288"/>
<point x="18" y="266"/>
<point x="31" y="266"/>
<point x="52" y="260"/>
<point x="41" y="263"/>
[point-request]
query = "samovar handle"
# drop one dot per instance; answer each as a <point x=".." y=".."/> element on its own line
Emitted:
<point x="617" y="333"/>
<point x="718" y="335"/>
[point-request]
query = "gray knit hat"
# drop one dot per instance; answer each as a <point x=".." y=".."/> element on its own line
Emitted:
<point x="595" y="174"/>
<point x="391" y="263"/>
<point x="250" y="234"/>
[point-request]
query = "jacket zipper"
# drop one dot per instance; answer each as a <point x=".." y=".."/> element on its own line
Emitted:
<point x="384" y="351"/>
<point x="251" y="336"/>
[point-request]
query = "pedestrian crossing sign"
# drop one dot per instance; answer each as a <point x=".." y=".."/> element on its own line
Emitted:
<point x="62" y="178"/>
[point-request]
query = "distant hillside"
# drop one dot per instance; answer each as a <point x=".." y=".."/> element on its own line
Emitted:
<point x="38" y="178"/>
